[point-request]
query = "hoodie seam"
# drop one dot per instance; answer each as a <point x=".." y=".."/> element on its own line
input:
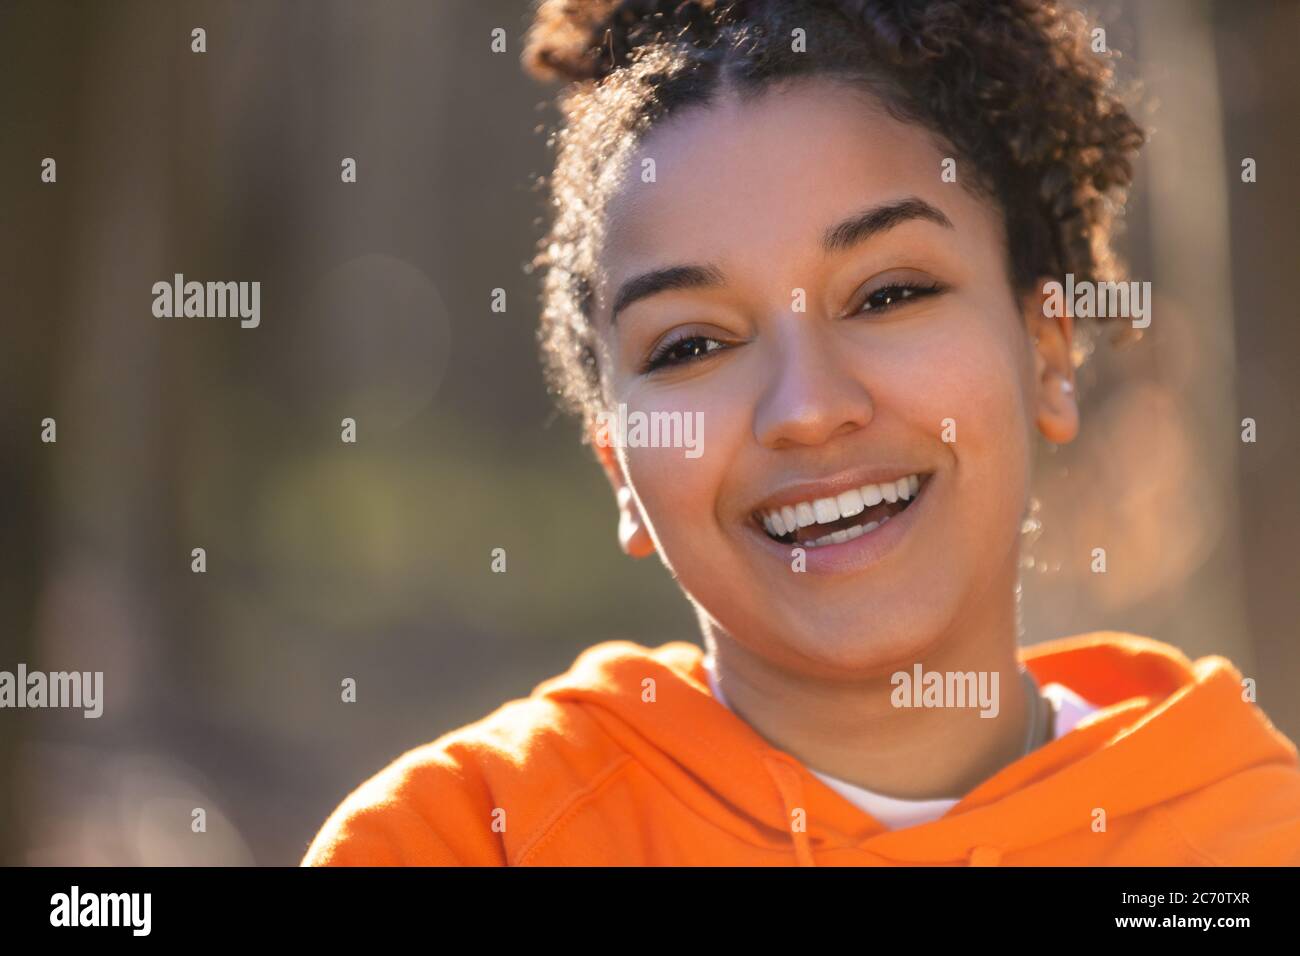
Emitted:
<point x="1166" y="817"/>
<point x="557" y="819"/>
<point x="730" y="832"/>
<point x="563" y="816"/>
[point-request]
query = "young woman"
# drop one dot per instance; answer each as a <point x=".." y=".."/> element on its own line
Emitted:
<point x="824" y="230"/>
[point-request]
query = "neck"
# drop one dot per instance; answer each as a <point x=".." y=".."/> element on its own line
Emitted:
<point x="852" y="730"/>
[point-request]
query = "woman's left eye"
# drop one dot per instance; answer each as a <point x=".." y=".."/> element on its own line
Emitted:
<point x="894" y="294"/>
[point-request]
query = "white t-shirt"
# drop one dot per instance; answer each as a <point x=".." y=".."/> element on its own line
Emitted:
<point x="896" y="814"/>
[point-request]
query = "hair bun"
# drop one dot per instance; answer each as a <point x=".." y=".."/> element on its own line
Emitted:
<point x="574" y="40"/>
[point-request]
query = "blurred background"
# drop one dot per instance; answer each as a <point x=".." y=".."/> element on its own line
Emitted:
<point x="327" y="560"/>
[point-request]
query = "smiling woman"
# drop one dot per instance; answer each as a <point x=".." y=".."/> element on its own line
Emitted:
<point x="908" y="320"/>
<point x="865" y="337"/>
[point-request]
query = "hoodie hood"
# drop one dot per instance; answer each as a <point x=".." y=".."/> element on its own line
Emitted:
<point x="1166" y="727"/>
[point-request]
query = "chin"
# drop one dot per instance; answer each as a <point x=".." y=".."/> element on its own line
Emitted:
<point x="861" y="638"/>
<point x="881" y="646"/>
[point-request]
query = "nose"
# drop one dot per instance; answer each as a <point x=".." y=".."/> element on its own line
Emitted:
<point x="813" y="394"/>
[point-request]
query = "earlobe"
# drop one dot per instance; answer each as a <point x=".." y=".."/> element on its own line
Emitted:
<point x="633" y="534"/>
<point x="1058" y="412"/>
<point x="1053" y="376"/>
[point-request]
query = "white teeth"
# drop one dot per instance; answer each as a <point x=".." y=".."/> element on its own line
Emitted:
<point x="826" y="510"/>
<point x="785" y="520"/>
<point x="787" y="515"/>
<point x="850" y="503"/>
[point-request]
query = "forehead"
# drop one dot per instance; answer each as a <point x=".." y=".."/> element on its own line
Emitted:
<point x="751" y="182"/>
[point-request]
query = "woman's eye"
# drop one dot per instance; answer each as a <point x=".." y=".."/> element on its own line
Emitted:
<point x="888" y="296"/>
<point x="679" y="351"/>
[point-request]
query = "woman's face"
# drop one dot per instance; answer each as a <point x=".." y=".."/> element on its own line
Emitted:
<point x="846" y="330"/>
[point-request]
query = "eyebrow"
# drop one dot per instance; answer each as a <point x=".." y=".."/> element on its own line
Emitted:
<point x="840" y="237"/>
<point x="870" y="222"/>
<point x="664" y="280"/>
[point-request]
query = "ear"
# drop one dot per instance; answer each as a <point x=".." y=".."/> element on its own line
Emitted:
<point x="633" y="533"/>
<point x="1051" y="340"/>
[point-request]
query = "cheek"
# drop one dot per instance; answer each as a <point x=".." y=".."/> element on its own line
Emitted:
<point x="679" y="494"/>
<point x="993" y="450"/>
<point x="966" y="384"/>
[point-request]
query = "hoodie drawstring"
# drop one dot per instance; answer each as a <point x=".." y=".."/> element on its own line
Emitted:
<point x="791" y="788"/>
<point x="790" y="785"/>
<point x="985" y="856"/>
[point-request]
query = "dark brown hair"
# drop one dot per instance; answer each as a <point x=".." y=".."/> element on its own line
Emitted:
<point x="1011" y="85"/>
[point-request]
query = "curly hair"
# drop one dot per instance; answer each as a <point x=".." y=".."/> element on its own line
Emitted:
<point x="1011" y="85"/>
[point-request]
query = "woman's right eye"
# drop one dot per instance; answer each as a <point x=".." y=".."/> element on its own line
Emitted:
<point x="680" y="350"/>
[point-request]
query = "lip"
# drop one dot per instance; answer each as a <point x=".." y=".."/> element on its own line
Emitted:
<point x="856" y="554"/>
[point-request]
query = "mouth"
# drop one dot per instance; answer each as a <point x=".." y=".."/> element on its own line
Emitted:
<point x="818" y="522"/>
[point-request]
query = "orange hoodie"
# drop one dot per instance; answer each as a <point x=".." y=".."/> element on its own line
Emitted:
<point x="587" y="772"/>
